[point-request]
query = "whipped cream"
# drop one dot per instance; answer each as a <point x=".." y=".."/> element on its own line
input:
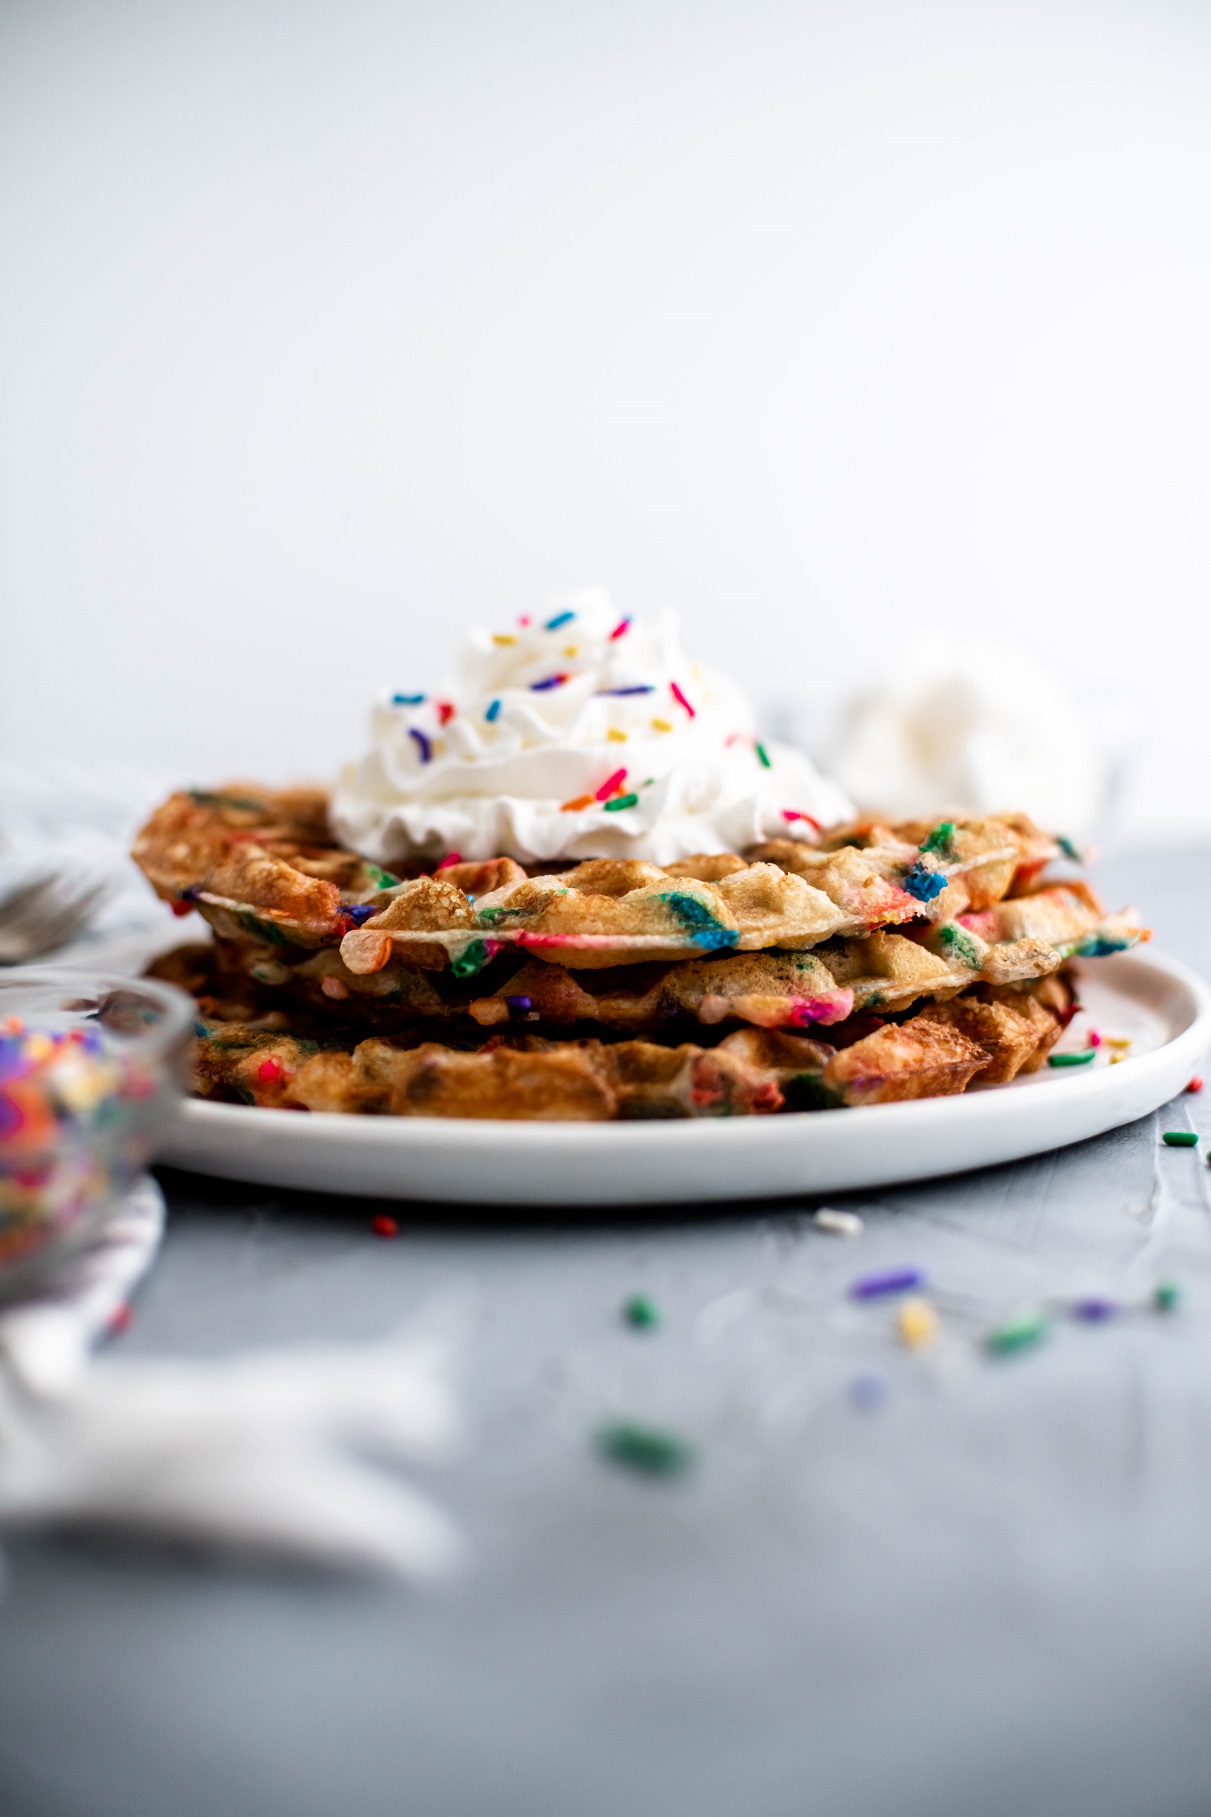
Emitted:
<point x="579" y="734"/>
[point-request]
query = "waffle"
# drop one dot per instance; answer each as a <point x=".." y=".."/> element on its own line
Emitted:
<point x="938" y="1052"/>
<point x="261" y="864"/>
<point x="1026" y="938"/>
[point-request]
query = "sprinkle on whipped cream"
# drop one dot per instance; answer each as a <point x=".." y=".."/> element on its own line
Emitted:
<point x="528" y="760"/>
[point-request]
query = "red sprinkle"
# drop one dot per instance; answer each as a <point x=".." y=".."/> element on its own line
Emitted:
<point x="180" y="908"/>
<point x="449" y="859"/>
<point x="1196" y="1083"/>
<point x="121" y="1318"/>
<point x="610" y="786"/>
<point x="524" y="619"/>
<point x="791" y="814"/>
<point x="384" y="1226"/>
<point x="620" y="629"/>
<point x="681" y="700"/>
<point x="1095" y="1040"/>
<point x="270" y="1070"/>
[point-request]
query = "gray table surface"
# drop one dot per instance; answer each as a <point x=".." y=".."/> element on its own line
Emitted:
<point x="993" y="1594"/>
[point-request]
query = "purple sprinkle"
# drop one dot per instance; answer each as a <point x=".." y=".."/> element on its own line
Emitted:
<point x="10" y="1116"/>
<point x="548" y="681"/>
<point x="361" y="911"/>
<point x="13" y="1062"/>
<point x="560" y="618"/>
<point x="892" y="1280"/>
<point x="645" y="689"/>
<point x="407" y="700"/>
<point x="521" y="1004"/>
<point x="868" y="1392"/>
<point x="493" y="711"/>
<point x="1093" y="1309"/>
<point x="422" y="743"/>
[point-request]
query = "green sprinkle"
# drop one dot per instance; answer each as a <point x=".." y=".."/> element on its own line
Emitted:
<point x="939" y="840"/>
<point x="646" y="1450"/>
<point x="763" y="756"/>
<point x="382" y="880"/>
<point x="205" y="798"/>
<point x="1180" y="1138"/>
<point x="1166" y="1296"/>
<point x="473" y="958"/>
<point x="641" y="1312"/>
<point x="1071" y="1059"/>
<point x="1018" y="1334"/>
<point x="1069" y="850"/>
<point x="621" y="801"/>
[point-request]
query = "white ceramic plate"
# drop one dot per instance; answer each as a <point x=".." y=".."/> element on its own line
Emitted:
<point x="1164" y="1008"/>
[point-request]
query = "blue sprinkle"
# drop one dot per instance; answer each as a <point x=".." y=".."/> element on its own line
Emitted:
<point x="493" y="711"/>
<point x="892" y="1280"/>
<point x="422" y="744"/>
<point x="700" y="924"/>
<point x="521" y="1004"/>
<point x="548" y="681"/>
<point x="1069" y="850"/>
<point x="560" y="618"/>
<point x="924" y="883"/>
<point x="642" y="690"/>
<point x="362" y="911"/>
<point x="407" y="700"/>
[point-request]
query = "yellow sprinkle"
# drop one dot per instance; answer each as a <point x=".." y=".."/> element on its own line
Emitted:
<point x="916" y="1323"/>
<point x="438" y="746"/>
<point x="1116" y="1058"/>
<point x="615" y="736"/>
<point x="502" y="638"/>
<point x="1116" y="1041"/>
<point x="661" y="725"/>
<point x="572" y="650"/>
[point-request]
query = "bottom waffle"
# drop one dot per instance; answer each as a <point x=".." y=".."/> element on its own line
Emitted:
<point x="986" y="1036"/>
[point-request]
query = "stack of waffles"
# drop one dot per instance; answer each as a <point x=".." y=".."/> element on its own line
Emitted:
<point x="886" y="962"/>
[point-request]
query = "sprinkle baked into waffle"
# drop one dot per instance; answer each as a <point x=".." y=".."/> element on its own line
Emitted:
<point x="924" y="958"/>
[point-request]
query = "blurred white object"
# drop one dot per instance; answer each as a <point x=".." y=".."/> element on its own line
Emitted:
<point x="252" y="1454"/>
<point x="973" y="727"/>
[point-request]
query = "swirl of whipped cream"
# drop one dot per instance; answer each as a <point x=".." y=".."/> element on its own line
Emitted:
<point x="579" y="735"/>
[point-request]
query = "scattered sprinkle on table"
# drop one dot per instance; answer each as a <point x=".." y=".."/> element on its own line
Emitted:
<point x="383" y="1226"/>
<point x="1166" y="1296"/>
<point x="890" y="1280"/>
<point x="640" y="1312"/>
<point x="868" y="1392"/>
<point x="1093" y="1309"/>
<point x="916" y="1323"/>
<point x="1018" y="1334"/>
<point x="1071" y="1059"/>
<point x="840" y="1223"/>
<point x="645" y="1449"/>
<point x="1180" y="1138"/>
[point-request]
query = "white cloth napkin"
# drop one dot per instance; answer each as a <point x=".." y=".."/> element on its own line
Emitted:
<point x="267" y="1453"/>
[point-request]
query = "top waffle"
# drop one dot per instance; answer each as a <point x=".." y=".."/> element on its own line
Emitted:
<point x="263" y="865"/>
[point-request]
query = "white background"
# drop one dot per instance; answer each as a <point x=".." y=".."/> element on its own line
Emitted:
<point x="326" y="328"/>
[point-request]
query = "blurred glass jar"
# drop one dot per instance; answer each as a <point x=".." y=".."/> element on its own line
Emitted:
<point x="91" y="1070"/>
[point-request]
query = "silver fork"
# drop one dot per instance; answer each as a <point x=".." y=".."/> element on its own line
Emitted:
<point x="47" y="913"/>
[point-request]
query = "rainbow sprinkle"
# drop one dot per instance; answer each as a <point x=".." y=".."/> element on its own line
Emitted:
<point x="407" y="700"/>
<point x="611" y="785"/>
<point x="644" y="688"/>
<point x="576" y="804"/>
<point x="681" y="700"/>
<point x="548" y="681"/>
<point x="423" y="744"/>
<point x="763" y="756"/>
<point x="790" y="815"/>
<point x="445" y="712"/>
<point x="922" y="883"/>
<point x="620" y="801"/>
<point x="620" y="629"/>
<point x="493" y="712"/>
<point x="560" y="618"/>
